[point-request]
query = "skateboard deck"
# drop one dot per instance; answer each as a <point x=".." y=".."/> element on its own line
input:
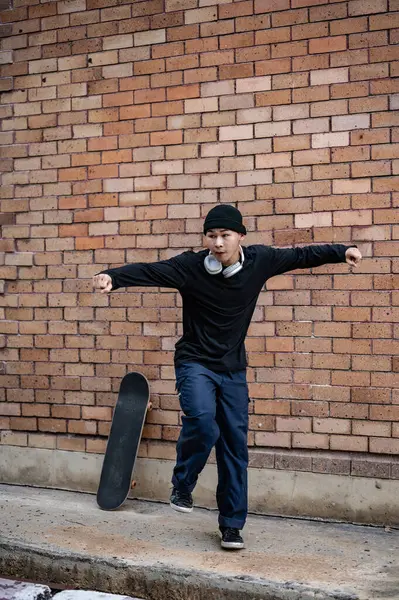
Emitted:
<point x="123" y="441"/>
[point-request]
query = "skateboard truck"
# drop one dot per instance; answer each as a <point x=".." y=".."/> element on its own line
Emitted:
<point x="134" y="482"/>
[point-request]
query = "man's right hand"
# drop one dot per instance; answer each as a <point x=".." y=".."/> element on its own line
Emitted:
<point x="102" y="282"/>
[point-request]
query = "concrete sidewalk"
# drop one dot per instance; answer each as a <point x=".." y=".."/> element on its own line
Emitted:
<point x="147" y="550"/>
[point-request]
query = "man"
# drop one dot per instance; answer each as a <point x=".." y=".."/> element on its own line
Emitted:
<point x="219" y="287"/>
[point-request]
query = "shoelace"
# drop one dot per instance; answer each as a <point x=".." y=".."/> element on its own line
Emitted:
<point x="231" y="532"/>
<point x="184" y="496"/>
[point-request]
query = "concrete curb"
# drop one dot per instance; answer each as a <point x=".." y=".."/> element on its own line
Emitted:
<point x="151" y="582"/>
<point x="89" y="595"/>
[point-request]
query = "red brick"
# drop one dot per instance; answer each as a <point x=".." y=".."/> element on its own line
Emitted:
<point x="185" y="32"/>
<point x="251" y="23"/>
<point x="217" y="28"/>
<point x="289" y="17"/>
<point x="373" y="71"/>
<point x="385" y="21"/>
<point x="272" y="36"/>
<point x="165" y="138"/>
<point x="311" y="94"/>
<point x="384" y="119"/>
<point x="183" y="92"/>
<point x="200" y="45"/>
<point x="349" y="90"/>
<point x="367" y="40"/>
<point x="350" y="443"/>
<point x="273" y="98"/>
<point x="201" y="74"/>
<point x="89" y="243"/>
<point x="167" y="20"/>
<point x="82" y="427"/>
<point x="169" y="49"/>
<point x="289" y="49"/>
<point x="385" y="86"/>
<point x="356" y="24"/>
<point x="349" y="57"/>
<point x="384" y="151"/>
<point x="386" y="184"/>
<point x="384" y="446"/>
<point x="307" y="63"/>
<point x="277" y="440"/>
<point x="309" y="30"/>
<point x="270" y="67"/>
<point x="10" y="16"/>
<point x="368" y="104"/>
<point x="273" y="5"/>
<point x="328" y="44"/>
<point x="387" y="413"/>
<point x="390" y="54"/>
<point x="23" y="423"/>
<point x="325" y="13"/>
<point x="236" y="10"/>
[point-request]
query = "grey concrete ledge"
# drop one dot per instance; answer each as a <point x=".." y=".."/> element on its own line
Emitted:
<point x="151" y="582"/>
<point x="90" y="595"/>
<point x="271" y="491"/>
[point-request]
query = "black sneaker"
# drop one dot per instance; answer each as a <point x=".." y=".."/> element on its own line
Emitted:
<point x="181" y="501"/>
<point x="231" y="538"/>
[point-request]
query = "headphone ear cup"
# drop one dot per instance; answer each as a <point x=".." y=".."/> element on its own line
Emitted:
<point x="212" y="265"/>
<point x="232" y="270"/>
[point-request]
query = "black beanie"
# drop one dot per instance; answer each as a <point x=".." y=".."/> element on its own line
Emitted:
<point x="224" y="216"/>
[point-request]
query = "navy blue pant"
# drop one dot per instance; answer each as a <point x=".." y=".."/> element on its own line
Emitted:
<point x="215" y="407"/>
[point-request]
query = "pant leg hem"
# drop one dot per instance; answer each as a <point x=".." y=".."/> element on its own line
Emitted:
<point x="182" y="488"/>
<point x="231" y="522"/>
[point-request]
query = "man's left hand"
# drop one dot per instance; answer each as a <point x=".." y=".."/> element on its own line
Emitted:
<point x="353" y="257"/>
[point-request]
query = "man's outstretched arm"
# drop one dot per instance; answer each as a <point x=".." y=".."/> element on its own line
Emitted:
<point x="289" y="259"/>
<point x="170" y="273"/>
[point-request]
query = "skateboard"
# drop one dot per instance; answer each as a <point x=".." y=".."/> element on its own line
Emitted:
<point x="123" y="441"/>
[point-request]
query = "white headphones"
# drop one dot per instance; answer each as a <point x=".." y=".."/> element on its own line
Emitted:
<point x="214" y="267"/>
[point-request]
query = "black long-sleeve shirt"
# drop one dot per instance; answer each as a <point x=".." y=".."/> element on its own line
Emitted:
<point x="217" y="311"/>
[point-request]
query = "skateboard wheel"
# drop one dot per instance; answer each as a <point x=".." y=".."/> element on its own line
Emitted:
<point x="133" y="484"/>
<point x="149" y="406"/>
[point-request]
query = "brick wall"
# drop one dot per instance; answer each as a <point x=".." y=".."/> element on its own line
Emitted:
<point x="123" y="123"/>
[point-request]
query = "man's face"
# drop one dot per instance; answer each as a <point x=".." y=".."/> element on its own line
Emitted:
<point x="224" y="245"/>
